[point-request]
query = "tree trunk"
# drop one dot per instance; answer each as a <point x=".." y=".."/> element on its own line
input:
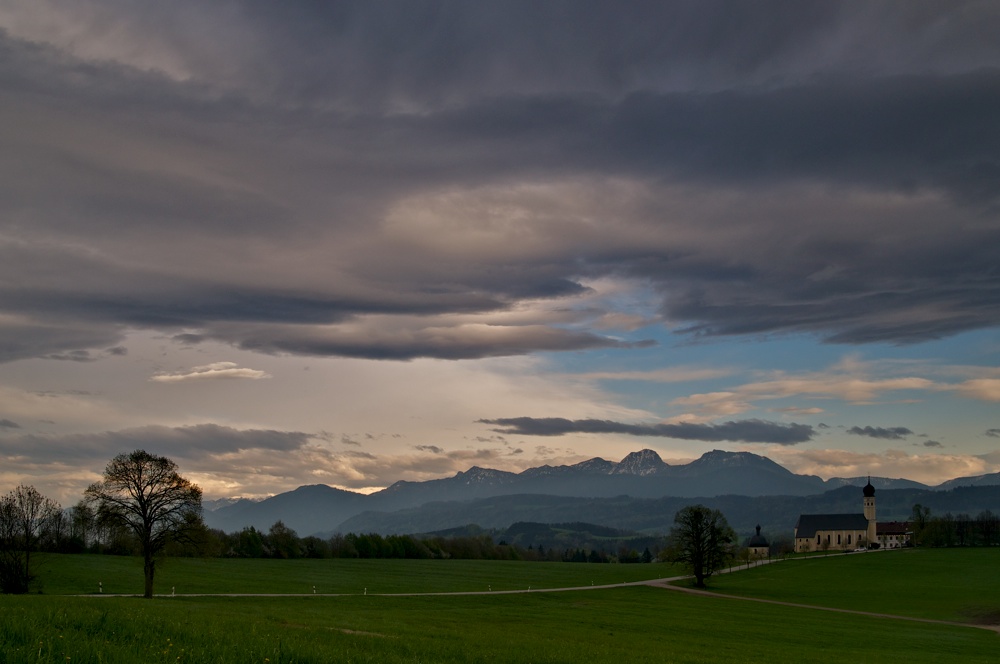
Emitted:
<point x="148" y="565"/>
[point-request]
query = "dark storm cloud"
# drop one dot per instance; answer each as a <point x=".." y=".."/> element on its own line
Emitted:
<point x="86" y="355"/>
<point x="993" y="433"/>
<point x="182" y="442"/>
<point x="72" y="356"/>
<point x="747" y="431"/>
<point x="144" y="298"/>
<point x="188" y="339"/>
<point x="440" y="52"/>
<point x="901" y="132"/>
<point x="9" y="424"/>
<point x="243" y="199"/>
<point x="890" y="433"/>
<point x="414" y="53"/>
<point x="51" y="339"/>
<point x="932" y="443"/>
<point x="407" y="344"/>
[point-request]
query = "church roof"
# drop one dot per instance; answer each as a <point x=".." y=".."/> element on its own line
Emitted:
<point x="757" y="540"/>
<point x="809" y="524"/>
<point x="892" y="528"/>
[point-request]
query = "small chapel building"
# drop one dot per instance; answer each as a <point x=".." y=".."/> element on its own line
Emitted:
<point x="758" y="546"/>
<point x="822" y="532"/>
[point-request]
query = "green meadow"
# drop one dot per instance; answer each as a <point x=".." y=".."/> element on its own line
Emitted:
<point x="626" y="624"/>
<point x="961" y="585"/>
<point x="81" y="574"/>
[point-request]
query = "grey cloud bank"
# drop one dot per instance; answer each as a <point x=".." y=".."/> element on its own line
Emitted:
<point x="889" y="433"/>
<point x="748" y="431"/>
<point x="184" y="442"/>
<point x="842" y="173"/>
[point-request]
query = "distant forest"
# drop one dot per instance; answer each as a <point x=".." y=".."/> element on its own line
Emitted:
<point x="78" y="531"/>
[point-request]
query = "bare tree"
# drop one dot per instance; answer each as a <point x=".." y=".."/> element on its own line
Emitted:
<point x="919" y="521"/>
<point x="144" y="493"/>
<point x="25" y="514"/>
<point x="82" y="523"/>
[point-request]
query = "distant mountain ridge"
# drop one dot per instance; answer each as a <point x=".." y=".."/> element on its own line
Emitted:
<point x="640" y="475"/>
<point x="776" y="514"/>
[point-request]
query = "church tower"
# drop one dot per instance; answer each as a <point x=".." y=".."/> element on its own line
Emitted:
<point x="869" y="494"/>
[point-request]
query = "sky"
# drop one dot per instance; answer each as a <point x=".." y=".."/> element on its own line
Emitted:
<point x="360" y="242"/>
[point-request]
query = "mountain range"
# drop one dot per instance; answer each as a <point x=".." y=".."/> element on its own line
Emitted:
<point x="498" y="498"/>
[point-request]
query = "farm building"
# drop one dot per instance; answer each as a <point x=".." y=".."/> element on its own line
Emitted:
<point x="894" y="534"/>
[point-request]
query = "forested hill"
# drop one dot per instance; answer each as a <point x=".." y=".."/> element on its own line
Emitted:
<point x="776" y="514"/>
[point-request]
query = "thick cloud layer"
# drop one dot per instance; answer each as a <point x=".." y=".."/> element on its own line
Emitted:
<point x="274" y="176"/>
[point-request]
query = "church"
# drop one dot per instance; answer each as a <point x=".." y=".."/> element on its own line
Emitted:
<point x="822" y="532"/>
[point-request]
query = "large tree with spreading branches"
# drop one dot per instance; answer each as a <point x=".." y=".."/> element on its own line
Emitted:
<point x="144" y="493"/>
<point x="701" y="539"/>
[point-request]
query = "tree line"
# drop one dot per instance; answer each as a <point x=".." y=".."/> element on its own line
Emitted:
<point x="953" y="530"/>
<point x="282" y="542"/>
<point x="81" y="529"/>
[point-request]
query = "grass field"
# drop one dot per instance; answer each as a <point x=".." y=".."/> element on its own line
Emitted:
<point x="629" y="624"/>
<point x="80" y="574"/>
<point x="962" y="585"/>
